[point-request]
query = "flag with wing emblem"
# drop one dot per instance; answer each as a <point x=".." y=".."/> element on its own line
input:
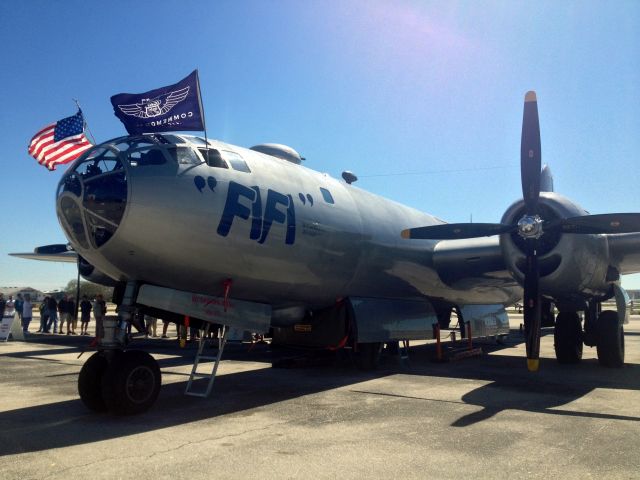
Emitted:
<point x="170" y="108"/>
<point x="60" y="142"/>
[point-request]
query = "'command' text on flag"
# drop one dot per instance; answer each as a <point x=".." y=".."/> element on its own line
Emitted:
<point x="175" y="107"/>
<point x="61" y="142"/>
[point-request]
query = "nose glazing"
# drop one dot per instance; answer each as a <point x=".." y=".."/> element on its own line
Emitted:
<point x="92" y="198"/>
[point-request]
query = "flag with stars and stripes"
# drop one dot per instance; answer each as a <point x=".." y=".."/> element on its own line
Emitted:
<point x="61" y="142"/>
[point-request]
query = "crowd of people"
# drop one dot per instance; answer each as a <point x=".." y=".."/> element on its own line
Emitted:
<point x="53" y="311"/>
<point x="56" y="314"/>
<point x="64" y="312"/>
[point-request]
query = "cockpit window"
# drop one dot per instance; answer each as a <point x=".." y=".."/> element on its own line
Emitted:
<point x="146" y="156"/>
<point x="213" y="157"/>
<point x="184" y="155"/>
<point x="169" y="138"/>
<point x="236" y="161"/>
<point x="96" y="192"/>
<point x="326" y="194"/>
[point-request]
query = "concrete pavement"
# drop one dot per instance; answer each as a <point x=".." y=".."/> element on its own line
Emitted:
<point x="484" y="417"/>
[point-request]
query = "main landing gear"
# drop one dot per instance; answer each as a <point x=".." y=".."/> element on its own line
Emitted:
<point x="603" y="330"/>
<point x="567" y="337"/>
<point x="610" y="340"/>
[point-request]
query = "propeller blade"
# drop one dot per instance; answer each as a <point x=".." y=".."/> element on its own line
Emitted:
<point x="597" y="224"/>
<point x="531" y="307"/>
<point x="454" y="231"/>
<point x="530" y="155"/>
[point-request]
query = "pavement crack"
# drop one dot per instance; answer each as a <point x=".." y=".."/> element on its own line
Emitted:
<point x="174" y="448"/>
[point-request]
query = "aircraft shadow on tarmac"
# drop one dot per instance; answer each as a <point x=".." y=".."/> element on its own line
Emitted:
<point x="511" y="387"/>
<point x="68" y="423"/>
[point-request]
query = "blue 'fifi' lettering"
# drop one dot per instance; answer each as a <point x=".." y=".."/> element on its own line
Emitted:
<point x="260" y="224"/>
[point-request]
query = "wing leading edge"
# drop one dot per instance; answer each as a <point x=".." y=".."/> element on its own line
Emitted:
<point x="67" y="257"/>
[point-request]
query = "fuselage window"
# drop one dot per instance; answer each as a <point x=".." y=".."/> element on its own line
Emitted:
<point x="326" y="194"/>
<point x="184" y="155"/>
<point x="236" y="161"/>
<point x="146" y="156"/>
<point x="213" y="157"/>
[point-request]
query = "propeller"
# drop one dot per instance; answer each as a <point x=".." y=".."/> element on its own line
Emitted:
<point x="531" y="226"/>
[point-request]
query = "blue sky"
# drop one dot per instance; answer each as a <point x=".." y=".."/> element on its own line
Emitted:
<point x="380" y="88"/>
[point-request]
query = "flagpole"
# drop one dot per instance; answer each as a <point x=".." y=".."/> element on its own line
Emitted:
<point x="85" y="121"/>
<point x="204" y="123"/>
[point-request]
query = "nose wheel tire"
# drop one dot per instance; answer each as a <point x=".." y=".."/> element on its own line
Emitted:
<point x="610" y="340"/>
<point x="131" y="383"/>
<point x="567" y="338"/>
<point x="90" y="382"/>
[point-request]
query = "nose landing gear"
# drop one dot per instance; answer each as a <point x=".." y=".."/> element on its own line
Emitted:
<point x="123" y="382"/>
<point x="120" y="382"/>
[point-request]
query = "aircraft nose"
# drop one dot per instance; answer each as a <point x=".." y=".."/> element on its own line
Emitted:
<point x="91" y="199"/>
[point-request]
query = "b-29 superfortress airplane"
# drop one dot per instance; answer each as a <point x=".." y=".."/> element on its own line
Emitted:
<point x="249" y="238"/>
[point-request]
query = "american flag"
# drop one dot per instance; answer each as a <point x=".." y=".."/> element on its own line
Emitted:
<point x="61" y="142"/>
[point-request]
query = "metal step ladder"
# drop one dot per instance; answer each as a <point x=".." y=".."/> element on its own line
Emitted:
<point x="195" y="375"/>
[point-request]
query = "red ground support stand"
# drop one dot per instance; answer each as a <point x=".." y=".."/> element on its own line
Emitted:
<point x="454" y="351"/>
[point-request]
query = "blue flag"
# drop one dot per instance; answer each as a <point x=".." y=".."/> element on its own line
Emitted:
<point x="175" y="107"/>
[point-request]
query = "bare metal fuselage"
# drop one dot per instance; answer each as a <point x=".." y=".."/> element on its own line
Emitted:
<point x="274" y="233"/>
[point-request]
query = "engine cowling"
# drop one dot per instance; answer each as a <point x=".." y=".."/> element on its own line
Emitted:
<point x="92" y="274"/>
<point x="571" y="266"/>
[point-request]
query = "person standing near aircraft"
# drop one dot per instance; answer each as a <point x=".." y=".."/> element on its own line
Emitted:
<point x="151" y="326"/>
<point x="52" y="306"/>
<point x="99" y="311"/>
<point x="44" y="315"/>
<point x="69" y="310"/>
<point x="9" y="308"/>
<point x="27" y="313"/>
<point x="18" y="306"/>
<point x="85" y="315"/>
<point x="62" y="313"/>
<point x="3" y="304"/>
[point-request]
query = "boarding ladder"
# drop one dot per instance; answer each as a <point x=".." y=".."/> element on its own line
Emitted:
<point x="195" y="375"/>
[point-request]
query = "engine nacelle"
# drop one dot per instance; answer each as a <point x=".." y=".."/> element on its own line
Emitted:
<point x="92" y="274"/>
<point x="572" y="266"/>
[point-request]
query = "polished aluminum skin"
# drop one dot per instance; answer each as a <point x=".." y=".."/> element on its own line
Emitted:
<point x="172" y="211"/>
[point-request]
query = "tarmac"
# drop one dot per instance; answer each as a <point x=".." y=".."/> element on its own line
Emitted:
<point x="481" y="417"/>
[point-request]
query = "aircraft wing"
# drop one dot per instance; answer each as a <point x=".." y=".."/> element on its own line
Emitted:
<point x="624" y="252"/>
<point x="482" y="259"/>
<point x="69" y="257"/>
<point x="471" y="259"/>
